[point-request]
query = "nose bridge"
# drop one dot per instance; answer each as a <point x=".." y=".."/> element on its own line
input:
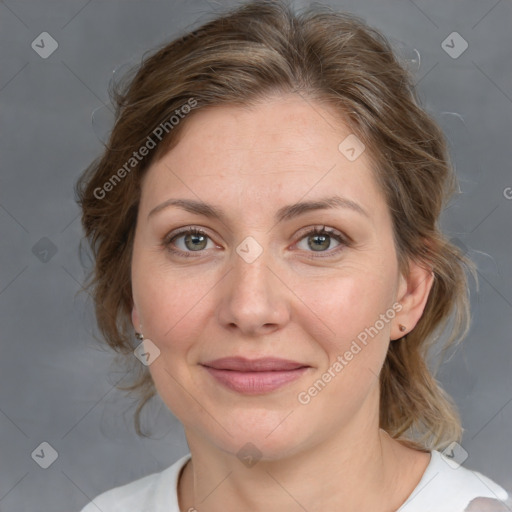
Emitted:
<point x="251" y="273"/>
<point x="253" y="298"/>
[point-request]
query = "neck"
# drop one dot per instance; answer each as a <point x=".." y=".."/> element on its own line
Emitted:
<point x="361" y="468"/>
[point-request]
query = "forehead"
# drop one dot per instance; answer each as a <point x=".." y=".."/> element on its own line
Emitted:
<point x="281" y="150"/>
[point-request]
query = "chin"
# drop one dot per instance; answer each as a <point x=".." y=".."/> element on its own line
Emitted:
<point x="254" y="449"/>
<point x="273" y="437"/>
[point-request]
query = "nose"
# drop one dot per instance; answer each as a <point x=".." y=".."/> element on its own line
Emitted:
<point x="253" y="298"/>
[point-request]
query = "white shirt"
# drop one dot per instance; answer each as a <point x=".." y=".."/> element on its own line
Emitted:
<point x="442" y="488"/>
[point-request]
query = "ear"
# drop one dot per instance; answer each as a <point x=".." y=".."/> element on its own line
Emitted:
<point x="413" y="292"/>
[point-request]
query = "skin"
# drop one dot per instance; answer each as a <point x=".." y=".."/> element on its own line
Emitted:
<point x="292" y="302"/>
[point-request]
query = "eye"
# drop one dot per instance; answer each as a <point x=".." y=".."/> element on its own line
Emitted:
<point x="194" y="240"/>
<point x="320" y="239"/>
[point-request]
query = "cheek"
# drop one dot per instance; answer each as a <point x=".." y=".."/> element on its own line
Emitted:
<point x="357" y="340"/>
<point x="171" y="302"/>
<point x="177" y="303"/>
<point x="171" y="312"/>
<point x="174" y="319"/>
<point x="355" y="344"/>
<point x="350" y="301"/>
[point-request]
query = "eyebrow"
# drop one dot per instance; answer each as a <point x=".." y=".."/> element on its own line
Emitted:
<point x="284" y="213"/>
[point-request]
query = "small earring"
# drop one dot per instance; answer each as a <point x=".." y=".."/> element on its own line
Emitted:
<point x="402" y="327"/>
<point x="139" y="336"/>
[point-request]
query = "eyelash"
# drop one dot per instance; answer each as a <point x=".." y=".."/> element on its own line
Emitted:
<point x="343" y="240"/>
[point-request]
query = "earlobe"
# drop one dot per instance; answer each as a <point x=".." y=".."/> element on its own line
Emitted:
<point x="413" y="295"/>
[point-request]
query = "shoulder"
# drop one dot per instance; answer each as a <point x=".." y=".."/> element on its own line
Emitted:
<point x="448" y="487"/>
<point x="153" y="493"/>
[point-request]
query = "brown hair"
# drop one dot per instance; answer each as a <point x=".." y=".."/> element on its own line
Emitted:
<point x="242" y="57"/>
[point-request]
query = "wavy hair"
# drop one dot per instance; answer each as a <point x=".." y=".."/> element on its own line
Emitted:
<point x="242" y="57"/>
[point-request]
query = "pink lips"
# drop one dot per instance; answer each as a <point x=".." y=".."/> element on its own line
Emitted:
<point x="254" y="376"/>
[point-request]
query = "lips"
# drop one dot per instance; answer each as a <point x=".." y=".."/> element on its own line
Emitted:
<point x="254" y="376"/>
<point x="266" y="364"/>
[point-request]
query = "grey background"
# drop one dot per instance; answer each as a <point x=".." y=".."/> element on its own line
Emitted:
<point x="56" y="382"/>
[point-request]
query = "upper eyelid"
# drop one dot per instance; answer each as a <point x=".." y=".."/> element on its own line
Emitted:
<point x="301" y="233"/>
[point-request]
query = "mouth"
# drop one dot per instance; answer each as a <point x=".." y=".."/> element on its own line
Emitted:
<point x="256" y="376"/>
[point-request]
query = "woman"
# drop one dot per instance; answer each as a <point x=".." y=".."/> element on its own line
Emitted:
<point x="264" y="218"/>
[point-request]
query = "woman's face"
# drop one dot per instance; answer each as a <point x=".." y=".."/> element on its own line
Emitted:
<point x="258" y="283"/>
